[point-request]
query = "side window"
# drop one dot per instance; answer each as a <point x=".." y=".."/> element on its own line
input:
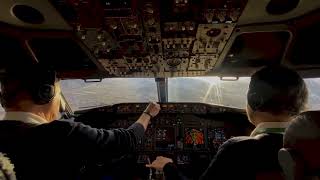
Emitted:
<point x="313" y="85"/>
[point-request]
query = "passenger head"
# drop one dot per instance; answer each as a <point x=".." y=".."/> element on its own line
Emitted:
<point x="33" y="89"/>
<point x="276" y="93"/>
<point x="302" y="145"/>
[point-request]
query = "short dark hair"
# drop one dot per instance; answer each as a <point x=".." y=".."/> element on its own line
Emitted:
<point x="277" y="89"/>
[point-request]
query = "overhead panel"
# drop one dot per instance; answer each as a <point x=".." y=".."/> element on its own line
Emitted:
<point x="146" y="38"/>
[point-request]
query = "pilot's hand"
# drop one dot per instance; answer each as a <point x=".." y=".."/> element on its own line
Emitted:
<point x="159" y="163"/>
<point x="153" y="109"/>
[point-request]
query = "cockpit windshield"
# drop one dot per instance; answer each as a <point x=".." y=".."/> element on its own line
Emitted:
<point x="210" y="90"/>
<point x="82" y="95"/>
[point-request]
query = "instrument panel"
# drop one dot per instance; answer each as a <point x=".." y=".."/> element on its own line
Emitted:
<point x="189" y="133"/>
<point x="148" y="38"/>
<point x="166" y="108"/>
<point x="176" y="133"/>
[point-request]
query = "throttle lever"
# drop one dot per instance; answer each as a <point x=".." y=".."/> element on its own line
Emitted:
<point x="150" y="169"/>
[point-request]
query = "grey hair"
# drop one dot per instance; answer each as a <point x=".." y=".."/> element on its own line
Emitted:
<point x="305" y="126"/>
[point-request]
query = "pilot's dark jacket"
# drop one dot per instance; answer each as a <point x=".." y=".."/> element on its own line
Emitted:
<point x="60" y="149"/>
<point x="242" y="158"/>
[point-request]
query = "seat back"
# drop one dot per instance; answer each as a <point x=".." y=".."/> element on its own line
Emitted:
<point x="270" y="144"/>
<point x="276" y="175"/>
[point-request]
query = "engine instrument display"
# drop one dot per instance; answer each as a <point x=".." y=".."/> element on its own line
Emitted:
<point x="194" y="138"/>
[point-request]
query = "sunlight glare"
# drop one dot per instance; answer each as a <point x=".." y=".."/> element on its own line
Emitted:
<point x="210" y="80"/>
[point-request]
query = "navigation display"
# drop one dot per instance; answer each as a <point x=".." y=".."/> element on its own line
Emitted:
<point x="216" y="137"/>
<point x="165" y="138"/>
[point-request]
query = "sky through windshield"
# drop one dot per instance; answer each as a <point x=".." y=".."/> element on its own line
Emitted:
<point x="210" y="90"/>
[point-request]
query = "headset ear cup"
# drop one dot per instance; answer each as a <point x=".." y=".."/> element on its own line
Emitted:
<point x="290" y="165"/>
<point x="287" y="164"/>
<point x="44" y="94"/>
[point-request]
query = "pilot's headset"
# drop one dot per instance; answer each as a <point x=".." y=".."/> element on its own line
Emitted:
<point x="43" y="88"/>
<point x="39" y="81"/>
<point x="291" y="163"/>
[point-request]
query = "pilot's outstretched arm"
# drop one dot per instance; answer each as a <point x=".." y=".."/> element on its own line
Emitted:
<point x="100" y="144"/>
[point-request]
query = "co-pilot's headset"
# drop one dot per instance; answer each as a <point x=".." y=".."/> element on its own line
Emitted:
<point x="290" y="164"/>
<point x="293" y="165"/>
<point x="40" y="83"/>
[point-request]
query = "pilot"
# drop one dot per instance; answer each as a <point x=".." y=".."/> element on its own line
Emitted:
<point x="42" y="147"/>
<point x="300" y="157"/>
<point x="276" y="95"/>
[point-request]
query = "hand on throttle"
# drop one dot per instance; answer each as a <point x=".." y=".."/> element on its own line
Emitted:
<point x="159" y="163"/>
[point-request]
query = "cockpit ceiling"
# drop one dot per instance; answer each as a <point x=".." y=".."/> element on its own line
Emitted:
<point x="167" y="38"/>
<point x="268" y="11"/>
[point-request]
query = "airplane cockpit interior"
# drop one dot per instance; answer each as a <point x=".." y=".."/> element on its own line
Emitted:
<point x="194" y="57"/>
